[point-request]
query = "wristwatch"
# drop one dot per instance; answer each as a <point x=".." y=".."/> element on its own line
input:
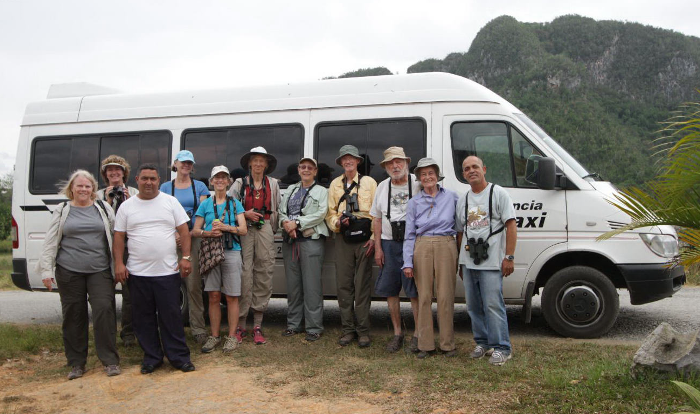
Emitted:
<point x="297" y="222"/>
<point x="188" y="258"/>
<point x="510" y="257"/>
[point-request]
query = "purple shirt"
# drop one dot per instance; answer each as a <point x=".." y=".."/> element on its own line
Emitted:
<point x="428" y="216"/>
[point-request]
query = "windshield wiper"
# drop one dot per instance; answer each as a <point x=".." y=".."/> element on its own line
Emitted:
<point x="594" y="175"/>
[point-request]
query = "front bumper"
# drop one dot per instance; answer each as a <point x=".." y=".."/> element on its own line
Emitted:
<point x="649" y="283"/>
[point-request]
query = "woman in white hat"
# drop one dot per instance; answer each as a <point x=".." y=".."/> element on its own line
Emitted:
<point x="222" y="216"/>
<point x="190" y="193"/>
<point x="302" y="215"/>
<point x="260" y="196"/>
<point x="430" y="255"/>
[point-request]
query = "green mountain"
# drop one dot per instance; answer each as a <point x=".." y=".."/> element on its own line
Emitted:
<point x="600" y="88"/>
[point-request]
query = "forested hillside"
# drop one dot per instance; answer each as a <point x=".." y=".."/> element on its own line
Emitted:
<point x="599" y="88"/>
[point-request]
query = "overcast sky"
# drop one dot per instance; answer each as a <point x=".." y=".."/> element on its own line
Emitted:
<point x="144" y="46"/>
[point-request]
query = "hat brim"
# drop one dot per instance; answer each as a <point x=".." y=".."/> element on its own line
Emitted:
<point x="115" y="164"/>
<point x="416" y="171"/>
<point x="337" y="160"/>
<point x="384" y="161"/>
<point x="271" y="161"/>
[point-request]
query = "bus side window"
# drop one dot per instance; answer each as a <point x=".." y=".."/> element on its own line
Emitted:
<point x="371" y="137"/>
<point x="226" y="146"/>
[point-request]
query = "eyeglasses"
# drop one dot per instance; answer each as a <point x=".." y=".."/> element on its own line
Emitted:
<point x="306" y="167"/>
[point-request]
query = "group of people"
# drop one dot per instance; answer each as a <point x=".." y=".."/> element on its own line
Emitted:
<point x="149" y="238"/>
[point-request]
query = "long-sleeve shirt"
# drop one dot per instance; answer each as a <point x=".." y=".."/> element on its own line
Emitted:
<point x="365" y="195"/>
<point x="428" y="216"/>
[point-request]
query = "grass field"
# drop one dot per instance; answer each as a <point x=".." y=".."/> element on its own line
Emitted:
<point x="5" y="270"/>
<point x="545" y="376"/>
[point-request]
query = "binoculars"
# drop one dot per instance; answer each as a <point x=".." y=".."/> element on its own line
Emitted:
<point x="478" y="249"/>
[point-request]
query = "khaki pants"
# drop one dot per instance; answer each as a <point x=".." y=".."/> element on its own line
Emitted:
<point x="435" y="266"/>
<point x="258" y="252"/>
<point x="194" y="290"/>
<point x="353" y="277"/>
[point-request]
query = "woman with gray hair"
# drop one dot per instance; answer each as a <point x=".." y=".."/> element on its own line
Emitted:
<point x="77" y="256"/>
<point x="430" y="255"/>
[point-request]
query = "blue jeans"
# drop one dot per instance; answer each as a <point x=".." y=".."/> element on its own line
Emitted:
<point x="484" y="293"/>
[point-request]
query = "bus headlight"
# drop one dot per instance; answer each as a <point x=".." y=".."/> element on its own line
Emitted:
<point x="663" y="245"/>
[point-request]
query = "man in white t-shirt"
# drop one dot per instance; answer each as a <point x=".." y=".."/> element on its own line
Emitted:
<point x="150" y="221"/>
<point x="388" y="220"/>
<point x="486" y="214"/>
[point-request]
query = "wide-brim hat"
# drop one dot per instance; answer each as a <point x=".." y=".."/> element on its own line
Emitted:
<point x="393" y="153"/>
<point x="184" y="155"/>
<point x="219" y="169"/>
<point x="271" y="160"/>
<point x="348" y="150"/>
<point x="428" y="162"/>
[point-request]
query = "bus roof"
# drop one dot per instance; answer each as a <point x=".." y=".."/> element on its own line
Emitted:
<point x="86" y="103"/>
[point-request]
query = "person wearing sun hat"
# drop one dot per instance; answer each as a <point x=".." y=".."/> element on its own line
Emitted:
<point x="430" y="256"/>
<point x="115" y="173"/>
<point x="388" y="213"/>
<point x="190" y="193"/>
<point x="350" y="199"/>
<point x="260" y="196"/>
<point x="302" y="213"/>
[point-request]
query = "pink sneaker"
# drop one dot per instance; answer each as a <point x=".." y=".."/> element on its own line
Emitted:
<point x="240" y="334"/>
<point x="258" y="337"/>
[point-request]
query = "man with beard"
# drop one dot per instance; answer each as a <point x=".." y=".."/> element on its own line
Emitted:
<point x="388" y="221"/>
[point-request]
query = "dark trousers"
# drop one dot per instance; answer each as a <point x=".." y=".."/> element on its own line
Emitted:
<point x="76" y="290"/>
<point x="156" y="312"/>
<point x="127" y="325"/>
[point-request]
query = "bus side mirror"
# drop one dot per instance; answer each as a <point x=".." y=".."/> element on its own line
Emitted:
<point x="546" y="174"/>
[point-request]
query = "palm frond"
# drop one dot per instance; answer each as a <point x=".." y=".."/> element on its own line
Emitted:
<point x="673" y="198"/>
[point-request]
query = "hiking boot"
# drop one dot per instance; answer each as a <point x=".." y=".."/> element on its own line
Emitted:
<point x="480" y="351"/>
<point x="113" y="370"/>
<point x="425" y="354"/>
<point x="312" y="336"/>
<point x="290" y="332"/>
<point x="500" y="357"/>
<point x="211" y="343"/>
<point x="148" y="368"/>
<point x="258" y="337"/>
<point x="450" y="354"/>
<point x="240" y="334"/>
<point x="395" y="344"/>
<point x="230" y="345"/>
<point x="364" y="341"/>
<point x="76" y="372"/>
<point x="413" y="346"/>
<point x="201" y="339"/>
<point x="346" y="339"/>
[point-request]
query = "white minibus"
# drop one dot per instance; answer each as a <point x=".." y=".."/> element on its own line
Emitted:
<point x="561" y="206"/>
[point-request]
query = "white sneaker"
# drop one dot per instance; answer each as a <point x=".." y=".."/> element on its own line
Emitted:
<point x="499" y="358"/>
<point x="480" y="351"/>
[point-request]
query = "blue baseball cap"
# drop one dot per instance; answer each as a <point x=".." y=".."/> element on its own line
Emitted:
<point x="184" y="155"/>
